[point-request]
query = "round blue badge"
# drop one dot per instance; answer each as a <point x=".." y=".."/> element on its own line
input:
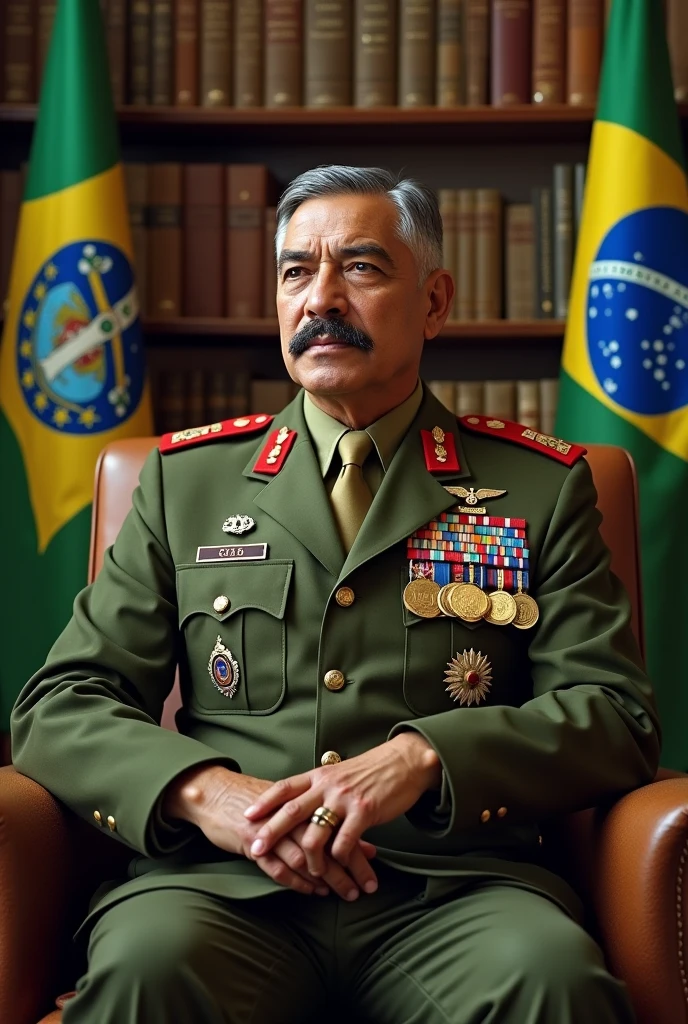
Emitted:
<point x="637" y="311"/>
<point x="79" y="350"/>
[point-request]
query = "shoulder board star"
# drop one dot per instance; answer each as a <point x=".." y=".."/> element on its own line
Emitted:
<point x="517" y="433"/>
<point x="242" y="426"/>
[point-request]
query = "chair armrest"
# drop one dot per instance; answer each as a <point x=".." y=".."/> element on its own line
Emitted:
<point x="640" y="893"/>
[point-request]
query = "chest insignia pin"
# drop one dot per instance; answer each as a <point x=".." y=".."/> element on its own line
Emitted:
<point x="223" y="669"/>
<point x="469" y="676"/>
<point x="238" y="524"/>
<point x="473" y="497"/>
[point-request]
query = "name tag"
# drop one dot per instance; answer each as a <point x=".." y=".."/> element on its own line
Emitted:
<point x="232" y="553"/>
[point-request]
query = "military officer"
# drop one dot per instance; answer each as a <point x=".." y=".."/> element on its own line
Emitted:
<point x="400" y="649"/>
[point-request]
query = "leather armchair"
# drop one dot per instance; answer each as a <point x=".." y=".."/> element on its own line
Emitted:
<point x="628" y="861"/>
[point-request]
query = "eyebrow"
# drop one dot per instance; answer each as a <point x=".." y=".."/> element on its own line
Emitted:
<point x="365" y="249"/>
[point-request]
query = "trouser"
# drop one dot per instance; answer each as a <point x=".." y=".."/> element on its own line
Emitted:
<point x="492" y="953"/>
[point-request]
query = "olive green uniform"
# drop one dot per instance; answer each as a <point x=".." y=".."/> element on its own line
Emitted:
<point x="466" y="925"/>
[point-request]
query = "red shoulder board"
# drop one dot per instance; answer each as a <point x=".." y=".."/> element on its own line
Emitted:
<point x="275" y="451"/>
<point x="213" y="432"/>
<point x="562" y="451"/>
<point x="439" y="450"/>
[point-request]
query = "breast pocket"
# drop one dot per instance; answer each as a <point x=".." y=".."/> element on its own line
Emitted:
<point x="231" y="618"/>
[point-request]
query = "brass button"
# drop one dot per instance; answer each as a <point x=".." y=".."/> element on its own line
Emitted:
<point x="485" y="816"/>
<point x="501" y="813"/>
<point x="112" y="824"/>
<point x="221" y="603"/>
<point x="345" y="597"/>
<point x="330" y="757"/>
<point x="334" y="679"/>
<point x="98" y="816"/>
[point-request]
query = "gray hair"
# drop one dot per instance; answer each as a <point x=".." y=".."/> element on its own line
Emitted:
<point x="419" y="224"/>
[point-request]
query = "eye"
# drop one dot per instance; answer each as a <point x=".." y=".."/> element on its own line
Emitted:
<point x="292" y="273"/>
<point x="363" y="267"/>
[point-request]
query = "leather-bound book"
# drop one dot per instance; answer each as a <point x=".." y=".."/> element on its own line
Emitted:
<point x="136" y="176"/>
<point x="248" y="53"/>
<point x="216" y="53"/>
<point x="204" y="237"/>
<point x="488" y="254"/>
<point x="579" y="172"/>
<point x="528" y="403"/>
<point x="162" y="78"/>
<point x="563" y="237"/>
<point x="416" y="53"/>
<point x="543" y="225"/>
<point x="283" y="53"/>
<point x="19" y="51"/>
<point x="196" y="399"/>
<point x="520" y="262"/>
<point x="271" y="396"/>
<point x="584" y="51"/>
<point x="448" y="203"/>
<point x="171" y="413"/>
<point x="449" y="90"/>
<point x="677" y="35"/>
<point x="511" y="46"/>
<point x="465" y="236"/>
<point x="247" y="196"/>
<point x="186" y="14"/>
<point x="10" y="202"/>
<point x="269" y="263"/>
<point x="115" y="17"/>
<point x="549" y="51"/>
<point x="164" y="241"/>
<point x="375" y="53"/>
<point x="500" y="399"/>
<point x="477" y="36"/>
<point x="327" y="78"/>
<point x="139" y="52"/>
<point x="46" y="18"/>
<point x="549" y="398"/>
<point x="469" y="397"/>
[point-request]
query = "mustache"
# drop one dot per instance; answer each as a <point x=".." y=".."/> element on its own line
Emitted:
<point x="339" y="330"/>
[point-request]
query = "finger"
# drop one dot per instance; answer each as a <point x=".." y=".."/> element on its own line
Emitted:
<point x="282" y="822"/>
<point x="360" y="870"/>
<point x="367" y="848"/>
<point x="313" y="843"/>
<point x="339" y="880"/>
<point x="281" y="873"/>
<point x="348" y="837"/>
<point x="294" y="857"/>
<point x="275" y="796"/>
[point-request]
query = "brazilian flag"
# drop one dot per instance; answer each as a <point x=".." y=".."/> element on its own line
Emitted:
<point x="71" y="362"/>
<point x="625" y="364"/>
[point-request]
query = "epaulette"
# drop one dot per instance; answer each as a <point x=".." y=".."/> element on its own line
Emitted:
<point x="517" y="433"/>
<point x="244" y="425"/>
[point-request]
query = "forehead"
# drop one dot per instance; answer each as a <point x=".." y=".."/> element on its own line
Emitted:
<point x="345" y="218"/>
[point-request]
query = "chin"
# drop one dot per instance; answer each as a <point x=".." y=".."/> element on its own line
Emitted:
<point x="330" y="378"/>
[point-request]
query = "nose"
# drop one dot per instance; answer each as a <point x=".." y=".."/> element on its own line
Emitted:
<point x="325" y="296"/>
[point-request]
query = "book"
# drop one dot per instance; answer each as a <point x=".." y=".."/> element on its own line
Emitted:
<point x="270" y="396"/>
<point x="544" y="260"/>
<point x="248" y="53"/>
<point x="46" y="18"/>
<point x="171" y="407"/>
<point x="584" y="51"/>
<point x="500" y="399"/>
<point x="449" y="91"/>
<point x="203" y="284"/>
<point x="19" y="51"/>
<point x="477" y="36"/>
<point x="549" y="398"/>
<point x="227" y="394"/>
<point x="579" y="172"/>
<point x="161" y="44"/>
<point x="195" y="413"/>
<point x="115" y="19"/>
<point x="563" y="237"/>
<point x="469" y="397"/>
<point x="11" y="187"/>
<point x="549" y="51"/>
<point x="488" y="254"/>
<point x="139" y="52"/>
<point x="448" y="203"/>
<point x="520" y="262"/>
<point x="511" y="45"/>
<point x="215" y="56"/>
<point x="677" y="35"/>
<point x="186" y="53"/>
<point x="444" y="391"/>
<point x="528" y="403"/>
<point x="327" y="75"/>
<point x="416" y="86"/>
<point x="283" y="52"/>
<point x="375" y="53"/>
<point x="465" y="237"/>
<point x="136" y="178"/>
<point x="269" y="263"/>
<point x="247" y="195"/>
<point x="164" y="277"/>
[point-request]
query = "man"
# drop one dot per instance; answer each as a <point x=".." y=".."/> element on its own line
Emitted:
<point x="359" y="665"/>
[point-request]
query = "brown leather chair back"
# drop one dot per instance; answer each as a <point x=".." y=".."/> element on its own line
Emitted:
<point x="120" y="463"/>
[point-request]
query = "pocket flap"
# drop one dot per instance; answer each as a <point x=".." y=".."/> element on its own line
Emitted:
<point x="262" y="585"/>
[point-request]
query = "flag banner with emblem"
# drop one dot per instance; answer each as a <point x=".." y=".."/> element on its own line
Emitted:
<point x="71" y="363"/>
<point x="624" y="374"/>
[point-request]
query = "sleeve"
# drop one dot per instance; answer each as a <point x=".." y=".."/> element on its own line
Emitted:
<point x="86" y="726"/>
<point x="590" y="732"/>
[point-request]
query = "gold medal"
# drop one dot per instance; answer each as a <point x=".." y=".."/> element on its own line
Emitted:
<point x="469" y="602"/>
<point x="420" y="597"/>
<point x="443" y="599"/>
<point x="527" y="611"/>
<point x="502" y="608"/>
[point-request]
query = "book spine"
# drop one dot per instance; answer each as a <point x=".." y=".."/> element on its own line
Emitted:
<point x="500" y="399"/>
<point x="203" y="208"/>
<point x="549" y="399"/>
<point x="139" y="52"/>
<point x="136" y="177"/>
<point x="450" y="57"/>
<point x="520" y="262"/>
<point x="269" y="263"/>
<point x="469" y="397"/>
<point x="116" y="32"/>
<point x="283" y="52"/>
<point x="10" y="203"/>
<point x="328" y="53"/>
<point x="186" y="53"/>
<point x="528" y="403"/>
<point x="677" y="35"/>
<point x="216" y="53"/>
<point x="488" y="254"/>
<point x="247" y="186"/>
<point x="549" y="51"/>
<point x="248" y="53"/>
<point x="161" y="39"/>
<point x="164" y="276"/>
<point x="416" y="53"/>
<point x="444" y="391"/>
<point x="477" y="36"/>
<point x="196" y="399"/>
<point x="544" y="265"/>
<point x="375" y="53"/>
<point x="46" y="19"/>
<point x="579" y="172"/>
<point x="465" y="232"/>
<point x="511" y="42"/>
<point x="563" y="237"/>
<point x="171" y="408"/>
<point x="584" y="51"/>
<point x="448" y="203"/>
<point x="19" y="52"/>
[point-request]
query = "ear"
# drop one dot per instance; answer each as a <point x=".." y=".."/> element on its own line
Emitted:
<point x="439" y="289"/>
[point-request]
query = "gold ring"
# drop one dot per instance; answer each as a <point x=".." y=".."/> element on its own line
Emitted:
<point x="324" y="816"/>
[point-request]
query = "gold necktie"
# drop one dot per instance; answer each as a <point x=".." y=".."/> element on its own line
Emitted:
<point x="351" y="497"/>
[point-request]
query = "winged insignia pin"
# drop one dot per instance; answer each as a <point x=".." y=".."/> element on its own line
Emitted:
<point x="472" y="497"/>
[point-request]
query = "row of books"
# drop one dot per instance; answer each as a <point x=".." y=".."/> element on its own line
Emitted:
<point x="531" y="402"/>
<point x="277" y="53"/>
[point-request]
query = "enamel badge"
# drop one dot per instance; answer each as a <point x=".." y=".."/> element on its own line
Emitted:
<point x="469" y="676"/>
<point x="223" y="669"/>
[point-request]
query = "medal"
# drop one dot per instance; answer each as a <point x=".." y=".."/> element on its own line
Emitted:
<point x="420" y="597"/>
<point x="527" y="611"/>
<point x="223" y="669"/>
<point x="469" y="602"/>
<point x="502" y="605"/>
<point x="469" y="676"/>
<point x="443" y="599"/>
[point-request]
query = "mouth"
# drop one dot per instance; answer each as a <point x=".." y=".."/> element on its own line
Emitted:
<point x="327" y="341"/>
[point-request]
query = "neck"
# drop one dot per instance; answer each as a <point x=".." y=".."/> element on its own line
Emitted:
<point x="361" y="408"/>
